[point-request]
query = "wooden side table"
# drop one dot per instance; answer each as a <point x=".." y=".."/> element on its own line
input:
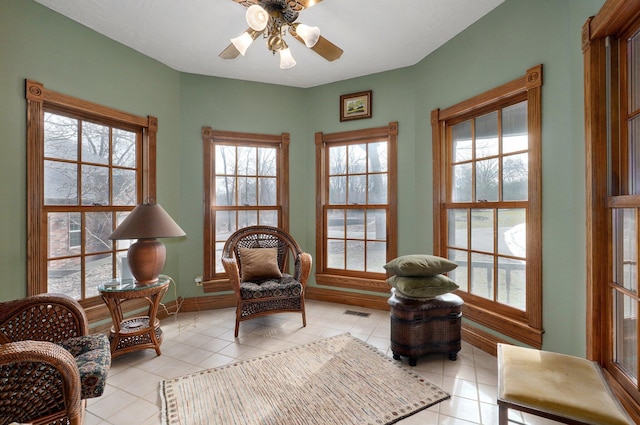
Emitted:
<point x="139" y="332"/>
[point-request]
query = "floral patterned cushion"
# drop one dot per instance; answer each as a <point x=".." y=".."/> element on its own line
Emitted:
<point x="273" y="287"/>
<point x="93" y="356"/>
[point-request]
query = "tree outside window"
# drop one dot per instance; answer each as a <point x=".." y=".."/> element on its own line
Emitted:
<point x="87" y="166"/>
<point x="91" y="160"/>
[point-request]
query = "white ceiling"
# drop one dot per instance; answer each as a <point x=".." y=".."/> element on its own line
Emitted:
<point x="187" y="35"/>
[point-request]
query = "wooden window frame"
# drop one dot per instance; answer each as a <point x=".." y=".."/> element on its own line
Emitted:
<point x="39" y="100"/>
<point x="604" y="119"/>
<point x="375" y="282"/>
<point x="523" y="326"/>
<point x="216" y="282"/>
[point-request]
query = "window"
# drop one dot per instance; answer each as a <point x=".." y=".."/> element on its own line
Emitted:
<point x="245" y="183"/>
<point x="611" y="45"/>
<point x="356" y="206"/>
<point x="487" y="204"/>
<point x="88" y="167"/>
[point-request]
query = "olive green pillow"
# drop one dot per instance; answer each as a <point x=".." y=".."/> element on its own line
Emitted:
<point x="419" y="265"/>
<point x="259" y="263"/>
<point x="423" y="287"/>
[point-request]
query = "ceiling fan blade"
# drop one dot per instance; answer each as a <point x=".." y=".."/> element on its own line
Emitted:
<point x="303" y="4"/>
<point x="323" y="47"/>
<point x="230" y="52"/>
<point x="327" y="49"/>
<point x="246" y="3"/>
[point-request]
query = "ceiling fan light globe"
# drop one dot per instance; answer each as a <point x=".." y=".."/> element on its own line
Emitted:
<point x="257" y="17"/>
<point x="286" y="59"/>
<point x="242" y="42"/>
<point x="310" y="35"/>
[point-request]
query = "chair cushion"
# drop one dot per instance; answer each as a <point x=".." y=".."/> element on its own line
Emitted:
<point x="563" y="385"/>
<point x="286" y="286"/>
<point x="93" y="357"/>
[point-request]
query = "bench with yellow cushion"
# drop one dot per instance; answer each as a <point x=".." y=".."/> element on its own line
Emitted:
<point x="560" y="387"/>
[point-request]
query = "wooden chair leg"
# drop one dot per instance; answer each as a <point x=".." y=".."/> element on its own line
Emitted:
<point x="304" y="312"/>
<point x="503" y="415"/>
<point x="79" y="418"/>
<point x="238" y="312"/>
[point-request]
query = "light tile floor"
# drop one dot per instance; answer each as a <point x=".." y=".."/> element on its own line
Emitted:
<point x="204" y="340"/>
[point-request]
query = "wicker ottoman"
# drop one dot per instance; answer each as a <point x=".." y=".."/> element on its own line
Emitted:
<point x="423" y="327"/>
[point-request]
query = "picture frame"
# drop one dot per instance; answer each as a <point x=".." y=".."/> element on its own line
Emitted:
<point x="355" y="106"/>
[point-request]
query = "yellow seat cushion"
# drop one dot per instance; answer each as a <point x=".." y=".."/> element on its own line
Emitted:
<point x="563" y="385"/>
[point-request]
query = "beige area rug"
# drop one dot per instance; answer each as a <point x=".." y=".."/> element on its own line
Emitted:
<point x="335" y="381"/>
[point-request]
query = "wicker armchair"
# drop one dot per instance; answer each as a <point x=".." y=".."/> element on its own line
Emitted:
<point x="260" y="295"/>
<point x="48" y="361"/>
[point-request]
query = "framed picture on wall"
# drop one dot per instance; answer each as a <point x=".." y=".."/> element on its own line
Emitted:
<point x="355" y="106"/>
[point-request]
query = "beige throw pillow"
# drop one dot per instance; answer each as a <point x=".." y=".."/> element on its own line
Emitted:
<point x="259" y="263"/>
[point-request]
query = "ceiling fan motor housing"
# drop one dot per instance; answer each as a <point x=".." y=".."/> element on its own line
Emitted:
<point x="279" y="9"/>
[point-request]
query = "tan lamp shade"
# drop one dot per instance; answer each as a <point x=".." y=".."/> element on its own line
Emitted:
<point x="147" y="256"/>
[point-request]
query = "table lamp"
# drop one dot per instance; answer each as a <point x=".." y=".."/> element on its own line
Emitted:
<point x="146" y="257"/>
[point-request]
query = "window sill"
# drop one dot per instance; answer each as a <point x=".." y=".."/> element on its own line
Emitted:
<point x="216" y="285"/>
<point x="364" y="284"/>
<point x="517" y="329"/>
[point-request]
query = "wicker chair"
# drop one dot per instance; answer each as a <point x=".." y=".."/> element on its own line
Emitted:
<point x="260" y="296"/>
<point x="48" y="361"/>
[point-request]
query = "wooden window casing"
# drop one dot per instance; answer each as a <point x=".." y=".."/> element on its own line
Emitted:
<point x="344" y="277"/>
<point x="40" y="101"/>
<point x="214" y="277"/>
<point x="612" y="195"/>
<point x="523" y="324"/>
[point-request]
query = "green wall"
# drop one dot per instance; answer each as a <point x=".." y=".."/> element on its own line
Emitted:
<point x="516" y="36"/>
<point x="38" y="44"/>
<point x="233" y="105"/>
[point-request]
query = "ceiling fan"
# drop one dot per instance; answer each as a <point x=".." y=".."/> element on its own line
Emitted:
<point x="273" y="19"/>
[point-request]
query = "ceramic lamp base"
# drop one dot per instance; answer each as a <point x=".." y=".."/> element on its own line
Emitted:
<point x="146" y="260"/>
